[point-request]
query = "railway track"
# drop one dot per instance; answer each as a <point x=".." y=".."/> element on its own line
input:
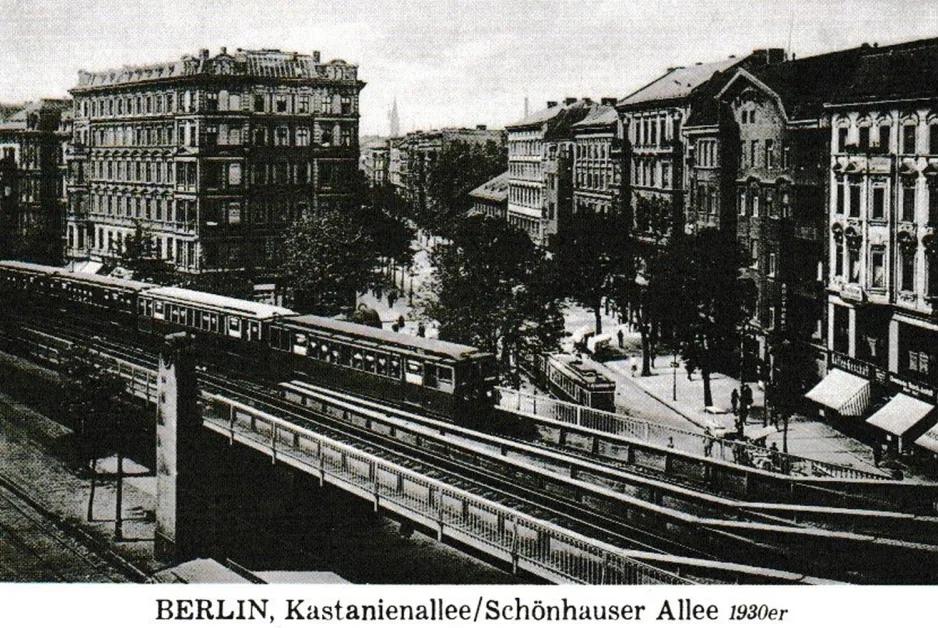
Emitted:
<point x="522" y="496"/>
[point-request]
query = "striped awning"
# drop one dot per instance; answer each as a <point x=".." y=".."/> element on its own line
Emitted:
<point x="900" y="414"/>
<point x="847" y="394"/>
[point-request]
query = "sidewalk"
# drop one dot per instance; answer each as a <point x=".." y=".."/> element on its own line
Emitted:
<point x="807" y="438"/>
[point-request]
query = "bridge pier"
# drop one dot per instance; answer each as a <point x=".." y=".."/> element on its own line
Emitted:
<point x="178" y="434"/>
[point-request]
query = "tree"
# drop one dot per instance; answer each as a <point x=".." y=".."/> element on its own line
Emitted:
<point x="92" y="403"/>
<point x="711" y="300"/>
<point x="645" y="282"/>
<point x="591" y="250"/>
<point x="326" y="259"/>
<point x="459" y="168"/>
<point x="140" y="256"/>
<point x="495" y="290"/>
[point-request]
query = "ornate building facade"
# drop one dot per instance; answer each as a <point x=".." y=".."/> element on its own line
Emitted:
<point x="212" y="156"/>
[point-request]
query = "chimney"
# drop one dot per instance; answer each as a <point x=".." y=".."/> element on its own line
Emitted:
<point x="315" y="56"/>
<point x="203" y="53"/>
<point x="569" y="100"/>
<point x="481" y="127"/>
<point x="769" y="56"/>
<point x="609" y="101"/>
<point x="551" y="104"/>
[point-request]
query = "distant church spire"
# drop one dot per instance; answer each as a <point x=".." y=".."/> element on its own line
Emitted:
<point x="395" y="121"/>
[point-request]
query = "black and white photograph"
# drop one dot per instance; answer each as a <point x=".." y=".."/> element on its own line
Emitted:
<point x="468" y="292"/>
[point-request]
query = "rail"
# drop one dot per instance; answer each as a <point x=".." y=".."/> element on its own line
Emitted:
<point x="736" y="452"/>
<point x="535" y="546"/>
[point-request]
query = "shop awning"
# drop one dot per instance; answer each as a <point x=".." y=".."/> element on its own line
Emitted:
<point x="929" y="440"/>
<point x="847" y="394"/>
<point x="900" y="414"/>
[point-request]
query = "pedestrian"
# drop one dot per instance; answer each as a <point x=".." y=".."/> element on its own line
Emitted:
<point x="621" y="338"/>
<point x="395" y="327"/>
<point x="747" y="395"/>
<point x="690" y="372"/>
<point x="670" y="442"/>
<point x="634" y="368"/>
<point x="400" y="321"/>
<point x="708" y="446"/>
<point x="421" y="330"/>
<point x="392" y="297"/>
<point x="734" y="401"/>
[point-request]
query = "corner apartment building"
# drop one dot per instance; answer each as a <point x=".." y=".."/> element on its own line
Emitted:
<point x="882" y="280"/>
<point x="213" y="156"/>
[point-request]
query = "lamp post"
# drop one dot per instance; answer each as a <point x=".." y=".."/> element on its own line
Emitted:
<point x="674" y="365"/>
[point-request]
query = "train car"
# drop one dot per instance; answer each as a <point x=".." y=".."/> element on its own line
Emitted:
<point x="571" y="379"/>
<point x="224" y="324"/>
<point x="449" y="380"/>
<point x="93" y="300"/>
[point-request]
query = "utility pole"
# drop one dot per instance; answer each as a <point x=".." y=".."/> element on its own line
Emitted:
<point x="118" y="507"/>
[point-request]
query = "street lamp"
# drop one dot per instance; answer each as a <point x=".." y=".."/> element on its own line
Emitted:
<point x="674" y="365"/>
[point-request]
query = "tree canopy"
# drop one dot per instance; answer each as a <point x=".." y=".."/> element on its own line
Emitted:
<point x="495" y="290"/>
<point x="325" y="259"/>
<point x="459" y="168"/>
<point x="591" y="250"/>
<point x="711" y="300"/>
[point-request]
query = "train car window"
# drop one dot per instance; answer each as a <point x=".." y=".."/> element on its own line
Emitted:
<point x="345" y="355"/>
<point x="234" y="326"/>
<point x="369" y="363"/>
<point x="445" y="374"/>
<point x="336" y="356"/>
<point x="394" y="367"/>
<point x="255" y="331"/>
<point x="206" y="321"/>
<point x="414" y="374"/>
<point x="274" y="339"/>
<point x="357" y="360"/>
<point x="429" y="376"/>
<point x="300" y="344"/>
<point x="214" y="322"/>
<point x="382" y="364"/>
<point x="324" y="353"/>
<point x="158" y="310"/>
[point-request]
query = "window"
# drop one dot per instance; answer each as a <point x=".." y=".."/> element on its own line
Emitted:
<point x="918" y="362"/>
<point x="281" y="104"/>
<point x="302" y="136"/>
<point x="908" y="200"/>
<point x="842" y="139"/>
<point x="853" y="264"/>
<point x="753" y="153"/>
<point x="754" y="253"/>
<point x="755" y="202"/>
<point x="234" y="175"/>
<point x="907" y="269"/>
<point x="879" y="203"/>
<point x="864" y="138"/>
<point x="854" y="199"/>
<point x="933" y="202"/>
<point x="770" y="207"/>
<point x="302" y="104"/>
<point x="933" y="139"/>
<point x="258" y="102"/>
<point x="908" y="139"/>
<point x="282" y="136"/>
<point x="878" y="268"/>
<point x="884" y="137"/>
<point x="838" y="197"/>
<point x="346" y="104"/>
<point x="839" y="257"/>
<point x="769" y="153"/>
<point x="932" y="266"/>
<point x="773" y="264"/>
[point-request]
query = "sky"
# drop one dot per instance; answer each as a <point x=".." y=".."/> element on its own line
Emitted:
<point x="447" y="62"/>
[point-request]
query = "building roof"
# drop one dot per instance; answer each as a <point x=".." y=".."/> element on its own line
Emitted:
<point x="677" y="83"/>
<point x="903" y="71"/>
<point x="495" y="190"/>
<point x="538" y="117"/>
<point x="599" y="116"/>
<point x="267" y="63"/>
<point x="18" y="119"/>
<point x="562" y="126"/>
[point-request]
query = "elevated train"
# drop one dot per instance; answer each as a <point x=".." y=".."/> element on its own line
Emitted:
<point x="445" y="379"/>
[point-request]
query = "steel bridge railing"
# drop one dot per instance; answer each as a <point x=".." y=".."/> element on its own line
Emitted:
<point x="539" y="547"/>
<point x="736" y="452"/>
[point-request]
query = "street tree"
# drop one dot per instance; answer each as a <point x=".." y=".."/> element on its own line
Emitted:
<point x="459" y="168"/>
<point x="711" y="300"/>
<point x="495" y="290"/>
<point x="645" y="281"/>
<point x="591" y="250"/>
<point x="93" y="405"/>
<point x="325" y="260"/>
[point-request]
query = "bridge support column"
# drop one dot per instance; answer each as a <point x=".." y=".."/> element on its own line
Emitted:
<point x="178" y="434"/>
